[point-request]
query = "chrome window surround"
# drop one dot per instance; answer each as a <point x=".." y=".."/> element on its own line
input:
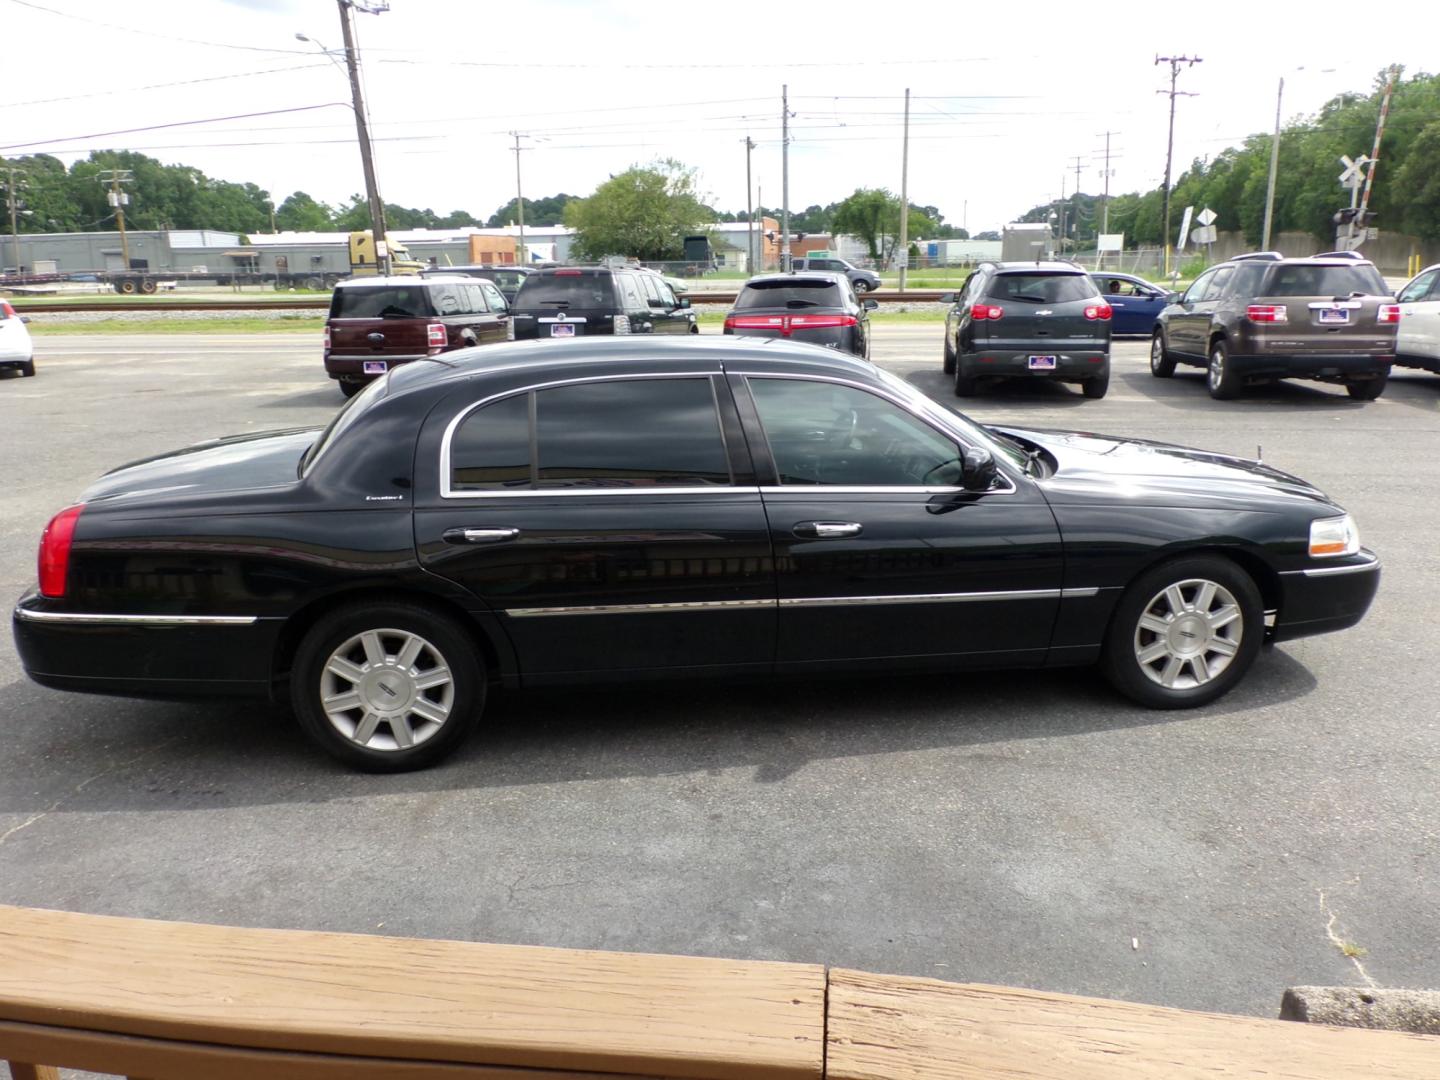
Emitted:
<point x="87" y="619"/>
<point x="806" y="601"/>
<point x="448" y="492"/>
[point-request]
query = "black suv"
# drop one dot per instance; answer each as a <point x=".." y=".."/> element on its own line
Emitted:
<point x="582" y="301"/>
<point x="507" y="278"/>
<point x="1262" y="316"/>
<point x="1028" y="320"/>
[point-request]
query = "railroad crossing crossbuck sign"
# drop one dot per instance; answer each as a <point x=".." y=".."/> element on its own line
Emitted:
<point x="1354" y="174"/>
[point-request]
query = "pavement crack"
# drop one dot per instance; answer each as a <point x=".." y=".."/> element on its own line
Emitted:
<point x="78" y="788"/>
<point x="1347" y="948"/>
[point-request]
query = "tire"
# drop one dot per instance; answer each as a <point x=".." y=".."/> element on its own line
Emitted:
<point x="948" y="366"/>
<point x="1220" y="377"/>
<point x="1096" y="388"/>
<point x="126" y="287"/>
<point x="1198" y="673"/>
<point x="861" y="287"/>
<point x="359" y="654"/>
<point x="1366" y="389"/>
<point x="27" y="369"/>
<point x="350" y="389"/>
<point x="148" y="287"/>
<point x="1162" y="364"/>
<point x="965" y="385"/>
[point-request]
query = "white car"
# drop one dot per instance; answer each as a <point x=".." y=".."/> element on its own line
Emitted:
<point x="15" y="348"/>
<point x="1418" y="342"/>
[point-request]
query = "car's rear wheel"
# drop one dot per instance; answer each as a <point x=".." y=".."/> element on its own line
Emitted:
<point x="27" y="369"/>
<point x="1097" y="386"/>
<point x="1184" y="633"/>
<point x="349" y="388"/>
<point x="1220" y="377"/>
<point x="965" y="385"/>
<point x="948" y="364"/>
<point x="126" y="287"/>
<point x="1366" y="389"/>
<point x="387" y="687"/>
<point x="1162" y="364"/>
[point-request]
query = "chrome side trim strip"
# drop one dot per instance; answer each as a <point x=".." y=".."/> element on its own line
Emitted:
<point x="529" y="493"/>
<point x="86" y="619"/>
<point x="638" y="609"/>
<point x="1332" y="571"/>
<point x="921" y="598"/>
<point x="1079" y="594"/>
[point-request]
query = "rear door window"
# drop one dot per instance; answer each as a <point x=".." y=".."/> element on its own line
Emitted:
<point x="1218" y="283"/>
<point x="385" y="302"/>
<point x="790" y="292"/>
<point x="631" y="292"/>
<point x="1042" y="288"/>
<point x="494" y="299"/>
<point x="1299" y="280"/>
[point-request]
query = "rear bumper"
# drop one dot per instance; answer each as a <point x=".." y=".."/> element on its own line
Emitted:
<point x="7" y="362"/>
<point x="353" y="367"/>
<point x="1071" y="365"/>
<point x="144" y="655"/>
<point x="841" y="339"/>
<point x="1313" y="365"/>
<point x="1321" y="599"/>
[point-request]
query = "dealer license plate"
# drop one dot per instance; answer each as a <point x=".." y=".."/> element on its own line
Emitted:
<point x="562" y="330"/>
<point x="1042" y="363"/>
<point x="375" y="367"/>
<point x="1334" y="315"/>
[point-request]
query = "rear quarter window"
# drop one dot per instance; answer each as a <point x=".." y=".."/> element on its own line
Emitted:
<point x="1042" y="288"/>
<point x="382" y="302"/>
<point x="791" y="292"/>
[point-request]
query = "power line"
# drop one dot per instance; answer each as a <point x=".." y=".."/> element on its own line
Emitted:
<point x="178" y="123"/>
<point x="148" y="33"/>
<point x="163" y="86"/>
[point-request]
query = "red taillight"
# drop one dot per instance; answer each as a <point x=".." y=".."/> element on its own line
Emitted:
<point x="986" y="311"/>
<point x="1101" y="312"/>
<point x="1389" y="313"/>
<point x="567" y="273"/>
<point x="327" y="338"/>
<point x="55" y="551"/>
<point x="754" y="322"/>
<point x="817" y="322"/>
<point x="1267" y="313"/>
<point x="6" y="311"/>
<point x="435" y="335"/>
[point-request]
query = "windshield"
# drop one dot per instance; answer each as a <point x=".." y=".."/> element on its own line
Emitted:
<point x="1042" y="288"/>
<point x="351" y="411"/>
<point x="1325" y="281"/>
<point x="574" y="292"/>
<point x="966" y="428"/>
<point x="382" y="302"/>
<point x="790" y="292"/>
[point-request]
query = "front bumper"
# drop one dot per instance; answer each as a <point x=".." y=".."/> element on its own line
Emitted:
<point x="144" y="655"/>
<point x="1313" y="365"/>
<point x="1071" y="365"/>
<point x="1324" y="598"/>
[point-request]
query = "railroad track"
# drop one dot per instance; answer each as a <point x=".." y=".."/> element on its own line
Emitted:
<point x="321" y="303"/>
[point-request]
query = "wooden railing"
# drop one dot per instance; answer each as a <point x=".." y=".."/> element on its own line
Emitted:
<point x="173" y="1001"/>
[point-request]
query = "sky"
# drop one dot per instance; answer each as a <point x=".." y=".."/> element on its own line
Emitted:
<point x="1005" y="99"/>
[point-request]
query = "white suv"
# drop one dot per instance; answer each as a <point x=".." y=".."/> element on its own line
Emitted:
<point x="15" y="348"/>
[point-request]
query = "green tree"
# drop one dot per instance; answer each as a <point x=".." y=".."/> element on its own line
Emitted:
<point x="871" y="215"/>
<point x="547" y="211"/>
<point x="301" y="213"/>
<point x="644" y="212"/>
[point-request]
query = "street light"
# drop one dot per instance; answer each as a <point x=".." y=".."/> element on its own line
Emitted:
<point x="362" y="126"/>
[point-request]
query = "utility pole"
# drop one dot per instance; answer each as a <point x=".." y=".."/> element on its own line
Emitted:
<point x="1174" y="62"/>
<point x="1060" y="225"/>
<point x="1076" y="222"/>
<point x="118" y="199"/>
<point x="12" y="203"/>
<point x="1105" y="198"/>
<point x="905" y="195"/>
<point x="519" y="201"/>
<point x="362" y="132"/>
<point x="785" y="179"/>
<point x="749" y="211"/>
<point x="1274" y="165"/>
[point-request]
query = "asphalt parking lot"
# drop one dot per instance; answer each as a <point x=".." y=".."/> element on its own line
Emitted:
<point x="1036" y="831"/>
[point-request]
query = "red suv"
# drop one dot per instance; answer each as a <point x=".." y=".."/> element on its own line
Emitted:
<point x="377" y="323"/>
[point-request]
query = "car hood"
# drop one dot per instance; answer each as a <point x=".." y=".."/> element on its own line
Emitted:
<point x="1091" y="466"/>
<point x="235" y="463"/>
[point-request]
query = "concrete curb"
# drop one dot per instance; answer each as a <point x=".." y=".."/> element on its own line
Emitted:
<point x="1416" y="1011"/>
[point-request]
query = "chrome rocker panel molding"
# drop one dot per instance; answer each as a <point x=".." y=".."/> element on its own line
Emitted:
<point x="88" y="619"/>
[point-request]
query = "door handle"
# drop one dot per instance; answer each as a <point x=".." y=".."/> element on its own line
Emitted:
<point x="827" y="530"/>
<point x="479" y="536"/>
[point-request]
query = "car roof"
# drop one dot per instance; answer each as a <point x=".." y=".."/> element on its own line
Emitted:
<point x="817" y="275"/>
<point x="606" y="355"/>
<point x="1044" y="267"/>
<point x="394" y="280"/>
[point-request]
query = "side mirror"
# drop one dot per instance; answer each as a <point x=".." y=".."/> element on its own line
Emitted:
<point x="947" y="298"/>
<point x="24" y="318"/>
<point x="684" y="301"/>
<point x="978" y="470"/>
<point x="1172" y="298"/>
<point x="870" y="305"/>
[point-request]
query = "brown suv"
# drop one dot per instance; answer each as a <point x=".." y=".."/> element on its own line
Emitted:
<point x="377" y="323"/>
<point x="1261" y="317"/>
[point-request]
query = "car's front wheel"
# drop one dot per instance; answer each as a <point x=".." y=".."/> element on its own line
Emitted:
<point x="1162" y="364"/>
<point x="1184" y="633"/>
<point x="387" y="687"/>
<point x="1220" y="377"/>
<point x="862" y="286"/>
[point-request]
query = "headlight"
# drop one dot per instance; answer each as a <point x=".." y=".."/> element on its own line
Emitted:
<point x="1330" y="537"/>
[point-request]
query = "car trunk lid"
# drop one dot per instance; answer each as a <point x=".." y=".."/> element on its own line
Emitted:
<point x="1322" y="308"/>
<point x="234" y="463"/>
<point x="1040" y="311"/>
<point x="384" y="321"/>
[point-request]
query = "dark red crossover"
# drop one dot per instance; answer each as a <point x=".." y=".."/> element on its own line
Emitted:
<point x="818" y="308"/>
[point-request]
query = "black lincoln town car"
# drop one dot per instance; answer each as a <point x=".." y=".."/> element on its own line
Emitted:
<point x="526" y="514"/>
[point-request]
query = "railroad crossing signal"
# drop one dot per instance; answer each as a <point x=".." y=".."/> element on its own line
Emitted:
<point x="1354" y="174"/>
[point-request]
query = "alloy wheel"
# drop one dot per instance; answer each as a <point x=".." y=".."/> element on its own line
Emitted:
<point x="387" y="689"/>
<point x="1188" y="634"/>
